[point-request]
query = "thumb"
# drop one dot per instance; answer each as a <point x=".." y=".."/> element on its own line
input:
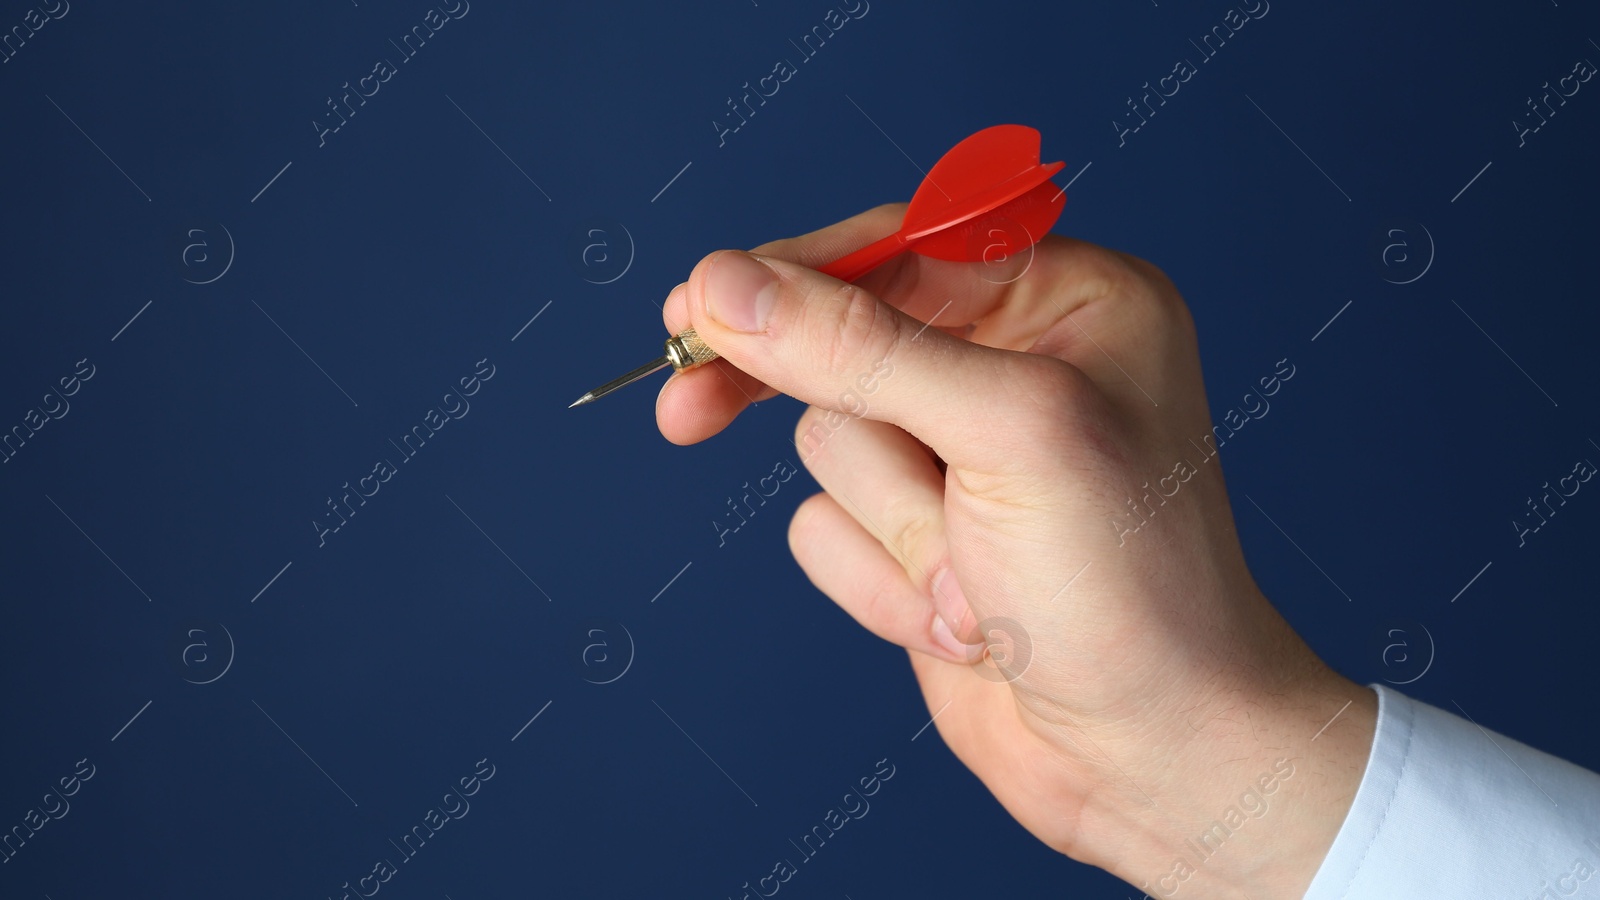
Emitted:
<point x="838" y="347"/>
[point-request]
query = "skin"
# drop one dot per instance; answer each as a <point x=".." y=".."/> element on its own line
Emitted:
<point x="968" y="515"/>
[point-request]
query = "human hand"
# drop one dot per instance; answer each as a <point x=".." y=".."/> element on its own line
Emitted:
<point x="978" y="475"/>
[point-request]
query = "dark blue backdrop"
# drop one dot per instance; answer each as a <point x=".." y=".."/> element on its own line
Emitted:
<point x="239" y="312"/>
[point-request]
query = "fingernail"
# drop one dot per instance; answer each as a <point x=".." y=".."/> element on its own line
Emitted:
<point x="948" y="599"/>
<point x="740" y="291"/>
<point x="948" y="642"/>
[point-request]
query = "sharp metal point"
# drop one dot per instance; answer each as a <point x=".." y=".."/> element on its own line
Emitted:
<point x="623" y="381"/>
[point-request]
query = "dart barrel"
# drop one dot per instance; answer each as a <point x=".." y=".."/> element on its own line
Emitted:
<point x="686" y="350"/>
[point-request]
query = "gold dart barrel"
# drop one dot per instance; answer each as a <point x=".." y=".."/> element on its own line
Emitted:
<point x="685" y="350"/>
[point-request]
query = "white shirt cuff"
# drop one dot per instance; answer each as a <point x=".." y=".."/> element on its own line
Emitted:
<point x="1449" y="809"/>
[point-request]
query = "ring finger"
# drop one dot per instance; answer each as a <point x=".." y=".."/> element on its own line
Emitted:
<point x="888" y="482"/>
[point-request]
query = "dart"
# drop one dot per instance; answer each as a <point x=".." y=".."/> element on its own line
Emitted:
<point x="992" y="182"/>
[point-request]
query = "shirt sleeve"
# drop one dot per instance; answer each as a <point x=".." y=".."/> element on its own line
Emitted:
<point x="1447" y="808"/>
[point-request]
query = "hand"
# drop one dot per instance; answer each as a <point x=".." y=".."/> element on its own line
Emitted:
<point x="982" y="475"/>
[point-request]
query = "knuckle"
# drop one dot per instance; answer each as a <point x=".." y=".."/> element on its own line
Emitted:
<point x="1143" y="294"/>
<point x="1053" y="406"/>
<point x="1156" y="298"/>
<point x="1100" y="272"/>
<point x="848" y="326"/>
<point x="1051" y="382"/>
<point x="1132" y="310"/>
<point x="911" y="540"/>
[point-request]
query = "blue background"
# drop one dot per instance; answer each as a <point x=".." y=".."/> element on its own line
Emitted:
<point x="379" y="268"/>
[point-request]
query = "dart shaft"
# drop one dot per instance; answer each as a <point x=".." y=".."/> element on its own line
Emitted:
<point x="649" y="368"/>
<point x="683" y="351"/>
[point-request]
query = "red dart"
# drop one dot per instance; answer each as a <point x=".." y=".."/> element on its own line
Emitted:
<point x="992" y="181"/>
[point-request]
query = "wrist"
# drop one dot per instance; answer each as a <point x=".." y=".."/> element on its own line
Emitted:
<point x="1241" y="792"/>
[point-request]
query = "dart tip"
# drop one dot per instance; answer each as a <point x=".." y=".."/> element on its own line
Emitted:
<point x="581" y="400"/>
